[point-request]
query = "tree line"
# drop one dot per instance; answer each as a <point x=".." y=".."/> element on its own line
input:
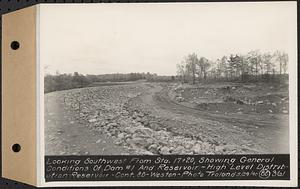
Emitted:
<point x="253" y="66"/>
<point x="64" y="81"/>
<point x="243" y="67"/>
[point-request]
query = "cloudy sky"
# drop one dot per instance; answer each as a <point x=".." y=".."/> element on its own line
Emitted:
<point x="123" y="38"/>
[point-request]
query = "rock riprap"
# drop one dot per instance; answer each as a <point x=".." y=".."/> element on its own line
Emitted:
<point x="105" y="110"/>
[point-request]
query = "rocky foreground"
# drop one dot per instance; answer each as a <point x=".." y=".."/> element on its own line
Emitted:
<point x="132" y="117"/>
<point x="105" y="110"/>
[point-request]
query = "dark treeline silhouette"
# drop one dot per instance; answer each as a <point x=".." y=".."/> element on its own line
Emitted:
<point x="60" y="82"/>
<point x="253" y="66"/>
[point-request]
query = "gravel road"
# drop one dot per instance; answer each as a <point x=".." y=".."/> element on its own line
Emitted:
<point x="141" y="118"/>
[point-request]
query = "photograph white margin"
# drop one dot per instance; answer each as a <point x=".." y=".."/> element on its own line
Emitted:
<point x="293" y="134"/>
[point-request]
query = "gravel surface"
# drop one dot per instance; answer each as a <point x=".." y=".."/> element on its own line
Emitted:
<point x="148" y="118"/>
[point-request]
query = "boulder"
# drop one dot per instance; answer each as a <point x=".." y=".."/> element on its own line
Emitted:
<point x="178" y="150"/>
<point x="197" y="149"/>
<point x="153" y="148"/>
<point x="130" y="130"/>
<point x="188" y="144"/>
<point x="220" y="148"/>
<point x="92" y="120"/>
<point x="121" y="136"/>
<point x="138" y="119"/>
<point x="144" y="130"/>
<point x="260" y="102"/>
<point x="137" y="142"/>
<point x="111" y="125"/>
<point x="150" y="141"/>
<point x="145" y="121"/>
<point x="118" y="142"/>
<point x="143" y="152"/>
<point x="154" y="126"/>
<point x="140" y="114"/>
<point x="164" y="150"/>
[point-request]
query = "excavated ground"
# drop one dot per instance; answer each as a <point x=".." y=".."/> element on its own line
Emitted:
<point x="167" y="118"/>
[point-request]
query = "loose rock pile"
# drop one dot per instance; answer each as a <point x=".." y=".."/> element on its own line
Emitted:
<point x="105" y="110"/>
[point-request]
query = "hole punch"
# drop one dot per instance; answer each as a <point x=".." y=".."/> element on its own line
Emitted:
<point x="16" y="147"/>
<point x="15" y="45"/>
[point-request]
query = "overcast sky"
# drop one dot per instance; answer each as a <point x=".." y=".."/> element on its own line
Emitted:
<point x="123" y="38"/>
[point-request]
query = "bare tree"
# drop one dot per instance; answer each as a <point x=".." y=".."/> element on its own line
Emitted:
<point x="282" y="59"/>
<point x="191" y="61"/>
<point x="285" y="60"/>
<point x="181" y="71"/>
<point x="204" y="66"/>
<point x="267" y="63"/>
<point x="234" y="67"/>
<point x="255" y="61"/>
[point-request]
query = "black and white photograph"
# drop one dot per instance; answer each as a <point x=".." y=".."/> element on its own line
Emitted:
<point x="167" y="78"/>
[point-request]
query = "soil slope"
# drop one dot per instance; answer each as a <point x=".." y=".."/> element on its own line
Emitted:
<point x="146" y="118"/>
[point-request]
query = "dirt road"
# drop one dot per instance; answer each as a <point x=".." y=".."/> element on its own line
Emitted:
<point x="142" y="119"/>
<point x="254" y="133"/>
